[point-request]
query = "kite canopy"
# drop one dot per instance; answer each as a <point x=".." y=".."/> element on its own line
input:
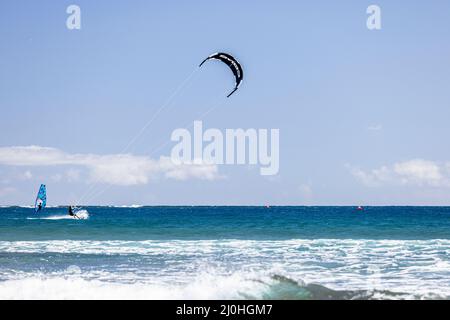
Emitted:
<point x="231" y="62"/>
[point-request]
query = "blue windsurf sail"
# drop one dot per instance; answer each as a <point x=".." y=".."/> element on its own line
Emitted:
<point x="41" y="199"/>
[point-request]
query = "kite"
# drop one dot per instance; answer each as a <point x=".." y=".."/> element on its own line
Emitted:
<point x="232" y="63"/>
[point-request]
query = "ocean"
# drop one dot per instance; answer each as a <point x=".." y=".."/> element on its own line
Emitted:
<point x="226" y="253"/>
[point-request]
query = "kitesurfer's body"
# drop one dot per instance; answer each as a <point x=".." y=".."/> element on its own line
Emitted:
<point x="71" y="213"/>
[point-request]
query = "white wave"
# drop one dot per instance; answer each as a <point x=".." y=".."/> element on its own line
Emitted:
<point x="419" y="267"/>
<point x="328" y="247"/>
<point x="206" y="286"/>
<point x="133" y="206"/>
<point x="80" y="215"/>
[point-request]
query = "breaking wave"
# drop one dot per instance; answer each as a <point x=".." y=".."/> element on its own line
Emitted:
<point x="227" y="269"/>
<point x="204" y="287"/>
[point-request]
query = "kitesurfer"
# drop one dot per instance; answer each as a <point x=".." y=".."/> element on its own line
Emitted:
<point x="71" y="213"/>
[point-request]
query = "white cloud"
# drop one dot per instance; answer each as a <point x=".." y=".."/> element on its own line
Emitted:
<point x="375" y="127"/>
<point x="27" y="175"/>
<point x="372" y="178"/>
<point x="187" y="171"/>
<point x="420" y="172"/>
<point x="57" y="177"/>
<point x="417" y="172"/>
<point x="116" y="169"/>
<point x="73" y="175"/>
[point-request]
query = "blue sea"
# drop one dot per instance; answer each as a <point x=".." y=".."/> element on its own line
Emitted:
<point x="225" y="253"/>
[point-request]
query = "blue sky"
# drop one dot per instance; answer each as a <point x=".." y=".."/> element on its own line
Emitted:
<point x="363" y="115"/>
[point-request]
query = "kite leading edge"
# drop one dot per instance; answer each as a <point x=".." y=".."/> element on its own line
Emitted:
<point x="232" y="63"/>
